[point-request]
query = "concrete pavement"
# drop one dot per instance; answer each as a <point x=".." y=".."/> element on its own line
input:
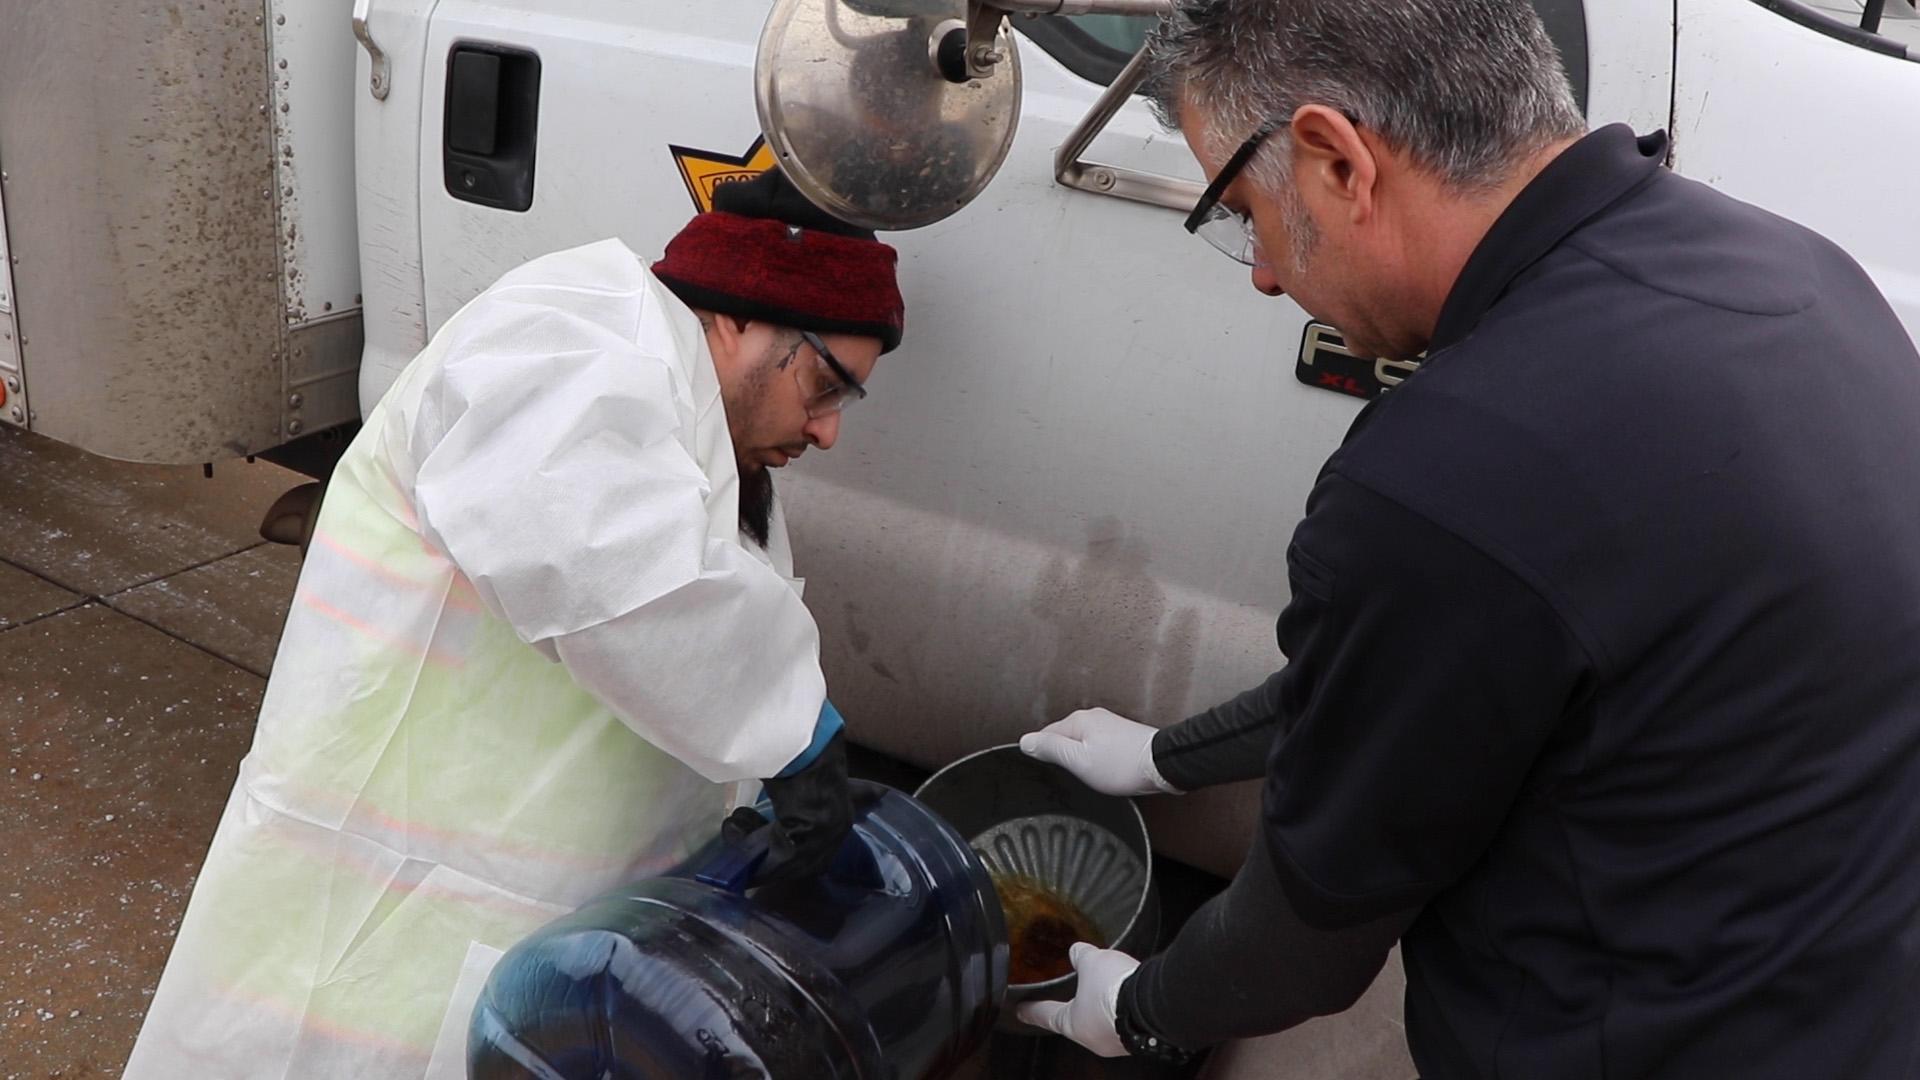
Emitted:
<point x="138" y="615"/>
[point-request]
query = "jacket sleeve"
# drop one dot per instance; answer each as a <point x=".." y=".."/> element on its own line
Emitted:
<point x="554" y="467"/>
<point x="1424" y="679"/>
<point x="1246" y="965"/>
<point x="1227" y="743"/>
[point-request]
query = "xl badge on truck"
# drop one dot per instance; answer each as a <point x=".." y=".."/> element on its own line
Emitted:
<point x="705" y="170"/>
<point x="1327" y="364"/>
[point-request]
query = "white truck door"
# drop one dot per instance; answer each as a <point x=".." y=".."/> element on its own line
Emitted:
<point x="1778" y="104"/>
<point x="1074" y="481"/>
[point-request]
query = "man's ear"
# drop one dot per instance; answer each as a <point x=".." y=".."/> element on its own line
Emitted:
<point x="1333" y="164"/>
<point x="723" y="334"/>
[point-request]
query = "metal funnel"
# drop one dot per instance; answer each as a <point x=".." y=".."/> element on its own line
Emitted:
<point x="1074" y="859"/>
<point x="1034" y="820"/>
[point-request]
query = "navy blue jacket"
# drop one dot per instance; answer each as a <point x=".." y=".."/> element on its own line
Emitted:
<point x="1604" y="652"/>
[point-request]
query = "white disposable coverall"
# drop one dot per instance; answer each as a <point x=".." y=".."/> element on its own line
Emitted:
<point x="550" y="480"/>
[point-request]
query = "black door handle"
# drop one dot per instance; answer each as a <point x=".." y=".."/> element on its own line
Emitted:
<point x="491" y="124"/>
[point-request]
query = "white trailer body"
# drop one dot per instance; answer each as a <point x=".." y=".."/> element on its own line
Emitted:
<point x="179" y="213"/>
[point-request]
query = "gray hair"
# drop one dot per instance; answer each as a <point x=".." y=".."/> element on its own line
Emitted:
<point x="1468" y="88"/>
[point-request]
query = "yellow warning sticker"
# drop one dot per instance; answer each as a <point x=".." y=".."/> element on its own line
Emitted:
<point x="706" y="170"/>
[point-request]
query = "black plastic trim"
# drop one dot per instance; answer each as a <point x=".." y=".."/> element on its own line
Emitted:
<point x="1834" y="28"/>
<point x="490" y="130"/>
<point x="314" y="454"/>
<point x="1566" y="22"/>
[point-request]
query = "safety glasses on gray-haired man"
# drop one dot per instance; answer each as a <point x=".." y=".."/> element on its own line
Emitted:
<point x="1230" y="230"/>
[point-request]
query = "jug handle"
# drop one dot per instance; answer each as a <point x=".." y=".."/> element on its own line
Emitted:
<point x="737" y="864"/>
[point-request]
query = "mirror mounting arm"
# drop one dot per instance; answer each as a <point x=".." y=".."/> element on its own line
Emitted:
<point x="1071" y="169"/>
<point x="983" y="22"/>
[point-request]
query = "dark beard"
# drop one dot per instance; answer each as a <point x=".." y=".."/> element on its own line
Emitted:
<point x="756" y="504"/>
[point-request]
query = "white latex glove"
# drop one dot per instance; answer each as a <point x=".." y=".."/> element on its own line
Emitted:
<point x="1108" y="752"/>
<point x="1089" y="1018"/>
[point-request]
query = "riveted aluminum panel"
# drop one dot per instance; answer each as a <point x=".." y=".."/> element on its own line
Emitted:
<point x="323" y="374"/>
<point x="142" y="214"/>
<point x="312" y="57"/>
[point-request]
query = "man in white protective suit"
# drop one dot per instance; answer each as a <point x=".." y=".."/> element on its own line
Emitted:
<point x="548" y="618"/>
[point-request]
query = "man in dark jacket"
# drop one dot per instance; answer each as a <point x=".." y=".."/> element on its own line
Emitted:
<point x="1603" y="691"/>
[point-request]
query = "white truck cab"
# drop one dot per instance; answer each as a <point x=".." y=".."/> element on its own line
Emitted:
<point x="229" y="225"/>
<point x="1074" y="479"/>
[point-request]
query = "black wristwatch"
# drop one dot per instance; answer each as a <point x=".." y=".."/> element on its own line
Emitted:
<point x="1138" y="1039"/>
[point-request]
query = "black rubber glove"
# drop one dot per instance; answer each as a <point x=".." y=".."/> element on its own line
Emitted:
<point x="812" y="814"/>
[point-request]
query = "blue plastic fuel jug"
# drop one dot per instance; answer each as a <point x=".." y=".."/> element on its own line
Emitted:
<point x="893" y="964"/>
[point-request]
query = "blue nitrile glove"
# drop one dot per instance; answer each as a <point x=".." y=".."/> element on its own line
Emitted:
<point x="824" y="729"/>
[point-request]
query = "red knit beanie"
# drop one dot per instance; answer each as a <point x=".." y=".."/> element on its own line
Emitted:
<point x="764" y="252"/>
